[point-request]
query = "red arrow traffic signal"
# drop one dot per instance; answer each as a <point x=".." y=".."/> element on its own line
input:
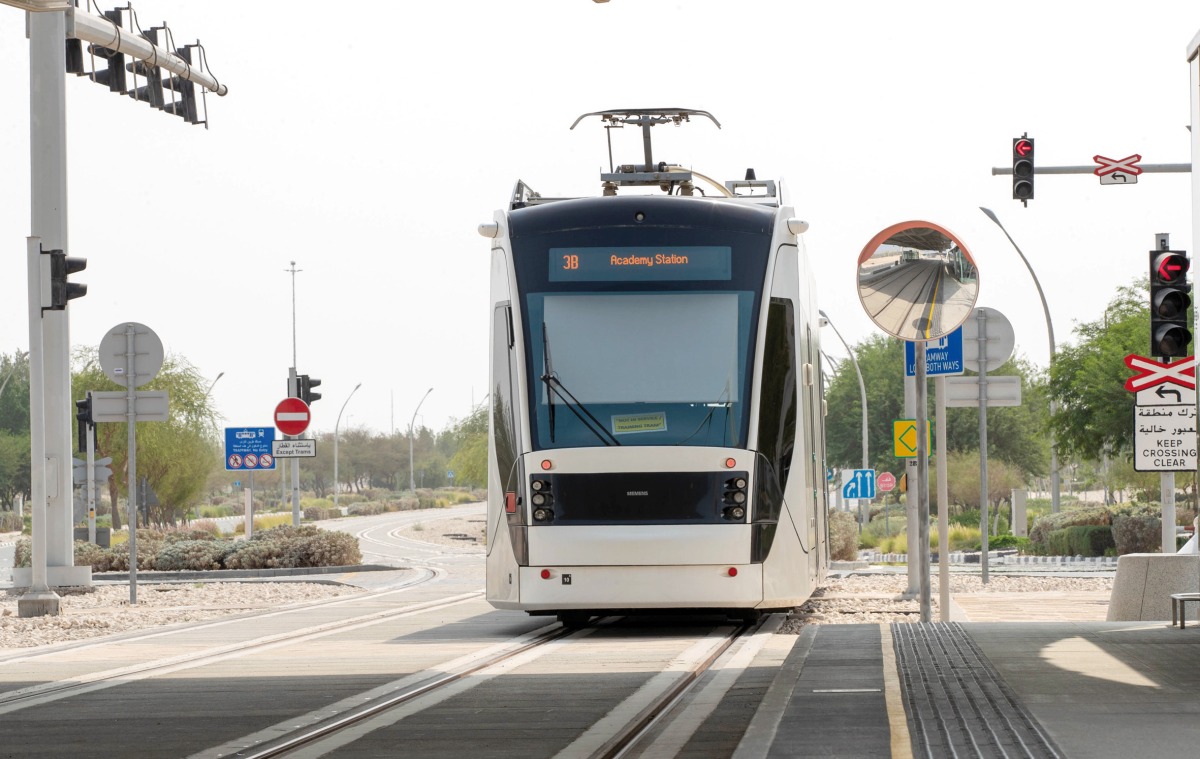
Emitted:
<point x="1023" y="147"/>
<point x="1171" y="267"/>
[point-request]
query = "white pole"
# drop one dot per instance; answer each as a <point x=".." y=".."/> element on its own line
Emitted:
<point x="981" y="318"/>
<point x="943" y="494"/>
<point x="335" y="442"/>
<point x="131" y="452"/>
<point x="39" y="600"/>
<point x="913" y="493"/>
<point x="48" y="205"/>
<point x="412" y="481"/>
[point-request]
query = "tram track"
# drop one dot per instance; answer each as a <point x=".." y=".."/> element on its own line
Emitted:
<point x="335" y="728"/>
<point x="43" y="693"/>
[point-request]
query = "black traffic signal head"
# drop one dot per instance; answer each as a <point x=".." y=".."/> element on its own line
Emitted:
<point x="1022" y="168"/>
<point x="114" y="75"/>
<point x="184" y="103"/>
<point x="1170" y="296"/>
<point x="83" y="415"/>
<point x="56" y="289"/>
<point x="306" y="393"/>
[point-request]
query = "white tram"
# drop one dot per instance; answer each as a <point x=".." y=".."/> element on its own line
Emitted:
<point x="657" y="426"/>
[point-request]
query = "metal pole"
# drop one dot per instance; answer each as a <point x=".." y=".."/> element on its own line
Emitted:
<point x="922" y="482"/>
<point x="131" y="449"/>
<point x="48" y="206"/>
<point x="335" y="443"/>
<point x="1055" y="483"/>
<point x="862" y="392"/>
<point x="39" y="600"/>
<point x="981" y="318"/>
<point x="293" y="270"/>
<point x="89" y="431"/>
<point x="943" y="495"/>
<point x="412" y="481"/>
<point x="913" y="493"/>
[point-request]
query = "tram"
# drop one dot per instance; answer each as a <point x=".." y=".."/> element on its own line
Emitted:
<point x="656" y="424"/>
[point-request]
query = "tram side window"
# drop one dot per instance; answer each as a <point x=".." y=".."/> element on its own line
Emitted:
<point x="777" y="410"/>
<point x="503" y="428"/>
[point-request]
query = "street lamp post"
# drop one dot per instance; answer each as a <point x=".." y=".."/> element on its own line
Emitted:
<point x="208" y="392"/>
<point x="335" y="443"/>
<point x="862" y="390"/>
<point x="1054" y="480"/>
<point x="412" y="481"/>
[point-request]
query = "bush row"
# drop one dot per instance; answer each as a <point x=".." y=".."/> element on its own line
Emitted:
<point x="199" y="550"/>
<point x="1122" y="529"/>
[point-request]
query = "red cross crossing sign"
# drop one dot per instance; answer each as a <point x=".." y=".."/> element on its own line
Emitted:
<point x="1151" y="373"/>
<point x="1117" y="170"/>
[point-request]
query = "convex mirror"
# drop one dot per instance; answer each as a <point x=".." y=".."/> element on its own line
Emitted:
<point x="917" y="281"/>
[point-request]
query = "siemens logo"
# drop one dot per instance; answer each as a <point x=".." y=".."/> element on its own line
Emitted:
<point x="637" y="492"/>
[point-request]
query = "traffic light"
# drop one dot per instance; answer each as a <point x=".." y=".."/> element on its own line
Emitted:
<point x="152" y="93"/>
<point x="114" y="75"/>
<point x="83" y="415"/>
<point x="1169" y="301"/>
<point x="185" y="105"/>
<point x="56" y="290"/>
<point x="306" y="385"/>
<point x="1022" y="168"/>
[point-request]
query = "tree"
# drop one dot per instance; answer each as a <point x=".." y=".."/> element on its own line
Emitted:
<point x="469" y="460"/>
<point x="176" y="456"/>
<point x="1095" y="412"/>
<point x="14" y="426"/>
<point x="1015" y="435"/>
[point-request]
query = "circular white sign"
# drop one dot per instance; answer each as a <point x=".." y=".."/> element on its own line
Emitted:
<point x="115" y="350"/>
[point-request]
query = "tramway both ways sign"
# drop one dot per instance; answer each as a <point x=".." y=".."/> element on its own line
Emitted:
<point x="1164" y="422"/>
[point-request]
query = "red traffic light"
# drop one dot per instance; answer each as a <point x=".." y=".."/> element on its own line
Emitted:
<point x="1170" y="267"/>
<point x="1022" y="147"/>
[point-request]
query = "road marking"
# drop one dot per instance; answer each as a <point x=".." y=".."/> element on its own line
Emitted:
<point x="897" y="719"/>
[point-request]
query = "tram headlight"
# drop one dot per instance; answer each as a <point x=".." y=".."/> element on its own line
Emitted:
<point x="739" y="497"/>
<point x="735" y="513"/>
<point x="542" y="515"/>
<point x="738" y="483"/>
<point x="538" y="485"/>
<point x="539" y="499"/>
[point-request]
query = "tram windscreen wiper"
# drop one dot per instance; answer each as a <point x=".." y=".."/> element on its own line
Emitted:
<point x="554" y="386"/>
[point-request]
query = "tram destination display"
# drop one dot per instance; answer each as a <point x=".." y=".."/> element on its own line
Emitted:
<point x="641" y="263"/>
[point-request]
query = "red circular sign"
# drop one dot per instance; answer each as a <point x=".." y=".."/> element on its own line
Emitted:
<point x="885" y="481"/>
<point x="292" y="416"/>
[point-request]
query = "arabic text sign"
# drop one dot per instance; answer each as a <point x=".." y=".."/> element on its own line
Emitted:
<point x="249" y="448"/>
<point x="1164" y="438"/>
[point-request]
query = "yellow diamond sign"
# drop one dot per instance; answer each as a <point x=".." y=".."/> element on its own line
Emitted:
<point x="904" y="437"/>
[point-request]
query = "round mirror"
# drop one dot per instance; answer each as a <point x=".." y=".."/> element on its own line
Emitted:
<point x="917" y="281"/>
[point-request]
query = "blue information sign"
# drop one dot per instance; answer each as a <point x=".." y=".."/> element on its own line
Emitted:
<point x="859" y="483"/>
<point x="942" y="356"/>
<point x="249" y="448"/>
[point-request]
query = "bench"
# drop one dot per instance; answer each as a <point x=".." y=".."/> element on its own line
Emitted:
<point x="1179" y="603"/>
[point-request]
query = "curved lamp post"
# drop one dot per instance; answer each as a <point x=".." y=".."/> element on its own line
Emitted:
<point x="412" y="481"/>
<point x="208" y="392"/>
<point x="335" y="443"/>
<point x="1054" y="480"/>
<point x="862" y="390"/>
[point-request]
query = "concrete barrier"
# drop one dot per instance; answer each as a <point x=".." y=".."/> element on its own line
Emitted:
<point x="1144" y="584"/>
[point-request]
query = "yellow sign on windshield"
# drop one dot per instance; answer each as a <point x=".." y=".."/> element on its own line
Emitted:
<point x="629" y="423"/>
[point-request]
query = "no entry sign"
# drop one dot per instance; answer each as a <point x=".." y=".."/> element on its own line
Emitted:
<point x="292" y="416"/>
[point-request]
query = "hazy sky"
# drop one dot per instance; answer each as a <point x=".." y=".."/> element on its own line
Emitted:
<point x="367" y="143"/>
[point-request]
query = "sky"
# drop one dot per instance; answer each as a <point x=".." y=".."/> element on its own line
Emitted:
<point x="366" y="144"/>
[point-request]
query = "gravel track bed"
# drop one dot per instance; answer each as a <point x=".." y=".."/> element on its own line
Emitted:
<point x="105" y="610"/>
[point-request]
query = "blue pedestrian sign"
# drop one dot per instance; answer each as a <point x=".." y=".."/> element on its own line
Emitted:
<point x="858" y="483"/>
<point x="942" y="356"/>
<point x="249" y="449"/>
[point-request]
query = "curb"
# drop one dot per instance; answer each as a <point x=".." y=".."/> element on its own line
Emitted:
<point x="240" y="574"/>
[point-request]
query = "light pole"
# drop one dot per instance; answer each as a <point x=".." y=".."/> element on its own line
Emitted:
<point x="335" y="443"/>
<point x="862" y="390"/>
<point x="1054" y="480"/>
<point x="412" y="481"/>
<point x="208" y="392"/>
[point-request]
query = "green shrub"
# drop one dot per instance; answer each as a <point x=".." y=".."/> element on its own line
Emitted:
<point x="305" y="546"/>
<point x="366" y="509"/>
<point x="1140" y="533"/>
<point x="843" y="536"/>
<point x="10" y="522"/>
<point x="194" y="555"/>
<point x="1081" y="540"/>
<point x="1009" y="540"/>
<point x="1083" y="514"/>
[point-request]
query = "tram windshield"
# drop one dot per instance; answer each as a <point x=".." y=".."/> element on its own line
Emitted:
<point x="639" y="368"/>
